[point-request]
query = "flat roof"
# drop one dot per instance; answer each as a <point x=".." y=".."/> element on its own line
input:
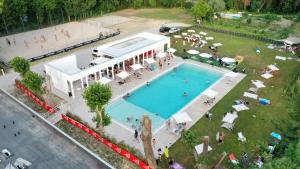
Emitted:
<point x="38" y="142"/>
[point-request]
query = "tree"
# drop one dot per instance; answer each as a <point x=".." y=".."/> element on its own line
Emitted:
<point x="152" y="3"/>
<point x="20" y="65"/>
<point x="1" y="13"/>
<point x="137" y="4"/>
<point x="169" y="3"/>
<point x="97" y="96"/>
<point x="189" y="138"/>
<point x="217" y="5"/>
<point x="33" y="82"/>
<point x="146" y="137"/>
<point x="200" y="9"/>
<point x="281" y="163"/>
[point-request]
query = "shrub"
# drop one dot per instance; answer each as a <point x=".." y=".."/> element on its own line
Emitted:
<point x="249" y="20"/>
<point x="271" y="17"/>
<point x="20" y="65"/>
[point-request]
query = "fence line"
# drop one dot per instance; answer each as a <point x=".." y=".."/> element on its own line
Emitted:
<point x="110" y="145"/>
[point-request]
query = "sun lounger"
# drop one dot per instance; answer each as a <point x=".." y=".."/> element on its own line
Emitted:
<point x="250" y="95"/>
<point x="209" y="38"/>
<point x="252" y="90"/>
<point x="233" y="159"/>
<point x="267" y="75"/>
<point x="258" y="83"/>
<point x="203" y="33"/>
<point x="184" y="34"/>
<point x="240" y="107"/>
<point x="280" y="58"/>
<point x="273" y="67"/>
<point x="264" y="101"/>
<point x="230" y="117"/>
<point x="241" y="137"/>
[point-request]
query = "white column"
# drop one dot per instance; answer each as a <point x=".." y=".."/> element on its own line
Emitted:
<point x="95" y="76"/>
<point x="138" y="58"/>
<point x="134" y="62"/>
<point x="72" y="89"/>
<point x="124" y="65"/>
<point x="143" y="58"/>
<point x="113" y="72"/>
<point x="82" y="86"/>
<point x="87" y="81"/>
<point x="100" y="74"/>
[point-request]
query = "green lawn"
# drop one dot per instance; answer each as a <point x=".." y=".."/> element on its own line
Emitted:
<point x="257" y="129"/>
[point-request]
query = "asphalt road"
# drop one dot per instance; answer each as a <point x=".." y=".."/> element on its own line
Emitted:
<point x="37" y="142"/>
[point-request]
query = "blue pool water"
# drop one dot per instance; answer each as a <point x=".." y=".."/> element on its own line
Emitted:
<point x="164" y="96"/>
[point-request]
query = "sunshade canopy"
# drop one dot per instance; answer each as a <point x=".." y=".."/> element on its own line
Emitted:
<point x="228" y="60"/>
<point x="171" y="50"/>
<point x="150" y="60"/>
<point x="136" y="67"/>
<point x="193" y="52"/>
<point x="182" y="117"/>
<point x="123" y="75"/>
<point x="161" y="55"/>
<point x="104" y="80"/>
<point x="205" y="55"/>
<point x="210" y="93"/>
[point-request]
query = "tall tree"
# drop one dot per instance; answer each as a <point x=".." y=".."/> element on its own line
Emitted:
<point x="146" y="137"/>
<point x="97" y="96"/>
<point x="200" y="9"/>
<point x="216" y="5"/>
<point x="20" y="65"/>
<point x="1" y="14"/>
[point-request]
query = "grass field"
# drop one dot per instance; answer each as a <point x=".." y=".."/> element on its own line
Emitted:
<point x="257" y="129"/>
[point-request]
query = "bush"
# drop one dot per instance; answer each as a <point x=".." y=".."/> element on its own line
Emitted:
<point x="20" y="65"/>
<point x="249" y="20"/>
<point x="33" y="82"/>
<point x="188" y="5"/>
<point x="271" y="17"/>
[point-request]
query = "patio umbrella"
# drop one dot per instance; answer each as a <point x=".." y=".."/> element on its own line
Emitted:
<point x="123" y="75"/>
<point x="228" y="60"/>
<point x="136" y="67"/>
<point x="193" y="52"/>
<point x="182" y="117"/>
<point x="205" y="55"/>
<point x="171" y="50"/>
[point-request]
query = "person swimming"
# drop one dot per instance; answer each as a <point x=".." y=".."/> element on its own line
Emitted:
<point x="148" y="83"/>
<point x="185" y="94"/>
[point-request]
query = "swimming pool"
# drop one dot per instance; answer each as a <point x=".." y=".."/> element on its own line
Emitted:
<point x="164" y="96"/>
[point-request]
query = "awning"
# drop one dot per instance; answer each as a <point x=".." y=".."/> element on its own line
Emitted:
<point x="136" y="67"/>
<point x="210" y="93"/>
<point x="231" y="74"/>
<point x="266" y="75"/>
<point x="171" y="50"/>
<point x="205" y="55"/>
<point x="273" y="67"/>
<point x="217" y="44"/>
<point x="182" y="117"/>
<point x="230" y="117"/>
<point x="228" y="60"/>
<point x="240" y="107"/>
<point x="150" y="61"/>
<point x="123" y="75"/>
<point x="250" y="95"/>
<point x="104" y="80"/>
<point x="203" y="33"/>
<point x="161" y="55"/>
<point x="193" y="52"/>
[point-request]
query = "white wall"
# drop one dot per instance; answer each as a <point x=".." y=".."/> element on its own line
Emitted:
<point x="58" y="79"/>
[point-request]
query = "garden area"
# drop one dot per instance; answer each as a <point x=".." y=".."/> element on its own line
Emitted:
<point x="256" y="123"/>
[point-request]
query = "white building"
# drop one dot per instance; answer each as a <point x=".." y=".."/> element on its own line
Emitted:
<point x="115" y="57"/>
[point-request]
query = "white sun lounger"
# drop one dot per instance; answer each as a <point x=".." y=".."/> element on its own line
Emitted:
<point x="228" y="126"/>
<point x="240" y="107"/>
<point x="184" y="34"/>
<point x="273" y="67"/>
<point x="209" y="38"/>
<point x="280" y="58"/>
<point x="177" y="36"/>
<point x="203" y="33"/>
<point x="258" y="83"/>
<point x="250" y="95"/>
<point x="267" y="75"/>
<point x="241" y="137"/>
<point x="230" y="117"/>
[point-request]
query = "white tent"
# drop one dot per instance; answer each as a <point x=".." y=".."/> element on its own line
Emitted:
<point x="210" y="93"/>
<point x="104" y="80"/>
<point x="258" y="83"/>
<point x="231" y="74"/>
<point x="136" y="67"/>
<point x="171" y="50"/>
<point x="203" y="33"/>
<point x="182" y="117"/>
<point x="199" y="148"/>
<point x="191" y="30"/>
<point x="240" y="107"/>
<point x="150" y="61"/>
<point x="193" y="52"/>
<point x="161" y="55"/>
<point x="266" y="75"/>
<point x="209" y="38"/>
<point x="228" y="60"/>
<point x="205" y="55"/>
<point x="217" y="44"/>
<point x="273" y="67"/>
<point x="123" y="75"/>
<point x="250" y="95"/>
<point x="230" y="117"/>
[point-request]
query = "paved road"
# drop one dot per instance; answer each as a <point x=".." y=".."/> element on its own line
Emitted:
<point x="37" y="142"/>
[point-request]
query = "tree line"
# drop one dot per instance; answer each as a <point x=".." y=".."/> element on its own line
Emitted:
<point x="21" y="15"/>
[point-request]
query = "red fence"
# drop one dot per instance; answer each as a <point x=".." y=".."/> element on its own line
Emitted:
<point x="112" y="146"/>
<point x="37" y="100"/>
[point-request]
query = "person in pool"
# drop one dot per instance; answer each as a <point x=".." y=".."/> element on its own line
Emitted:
<point x="148" y="83"/>
<point x="185" y="94"/>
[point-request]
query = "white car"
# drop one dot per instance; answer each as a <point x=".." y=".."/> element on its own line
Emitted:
<point x="173" y="30"/>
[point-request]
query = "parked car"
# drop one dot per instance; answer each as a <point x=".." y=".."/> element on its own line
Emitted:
<point x="164" y="29"/>
<point x="173" y="30"/>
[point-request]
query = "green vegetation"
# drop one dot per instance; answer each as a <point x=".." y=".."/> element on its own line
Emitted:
<point x="177" y="14"/>
<point x="200" y="9"/>
<point x="33" y="82"/>
<point x="256" y="123"/>
<point x="20" y="65"/>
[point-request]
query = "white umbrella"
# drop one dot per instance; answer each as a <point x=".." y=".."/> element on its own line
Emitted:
<point x="193" y="52"/>
<point x="104" y="80"/>
<point x="171" y="50"/>
<point x="136" y="67"/>
<point x="150" y="61"/>
<point x="182" y="117"/>
<point x="123" y="75"/>
<point x="161" y="55"/>
<point x="228" y="60"/>
<point x="210" y="93"/>
<point x="205" y="55"/>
